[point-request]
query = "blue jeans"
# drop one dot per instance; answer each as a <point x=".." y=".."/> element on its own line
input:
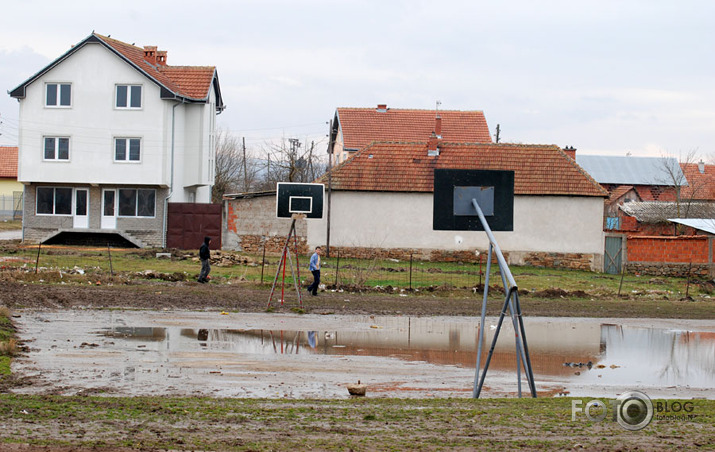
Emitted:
<point x="313" y="288"/>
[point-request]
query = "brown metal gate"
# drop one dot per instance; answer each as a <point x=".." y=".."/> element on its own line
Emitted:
<point x="189" y="223"/>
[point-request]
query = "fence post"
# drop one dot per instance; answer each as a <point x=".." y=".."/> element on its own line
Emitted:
<point x="263" y="262"/>
<point x="109" y="253"/>
<point x="337" y="268"/>
<point x="410" y="271"/>
<point x="37" y="261"/>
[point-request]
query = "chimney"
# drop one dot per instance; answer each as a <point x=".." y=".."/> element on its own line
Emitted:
<point x="382" y="108"/>
<point x="150" y="54"/>
<point x="570" y="151"/>
<point x="161" y="57"/>
<point x="701" y="167"/>
<point x="438" y="126"/>
<point x="433" y="145"/>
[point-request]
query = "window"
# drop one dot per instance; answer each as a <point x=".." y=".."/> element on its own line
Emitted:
<point x="129" y="96"/>
<point x="127" y="149"/>
<point x="58" y="95"/>
<point x="136" y="202"/>
<point x="54" y="201"/>
<point x="57" y="148"/>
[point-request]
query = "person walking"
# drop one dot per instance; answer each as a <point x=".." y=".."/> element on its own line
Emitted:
<point x="204" y="257"/>
<point x="315" y="270"/>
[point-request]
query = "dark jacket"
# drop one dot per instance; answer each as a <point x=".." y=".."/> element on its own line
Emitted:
<point x="204" y="252"/>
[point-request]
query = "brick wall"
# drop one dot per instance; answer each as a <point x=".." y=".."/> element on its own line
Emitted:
<point x="670" y="255"/>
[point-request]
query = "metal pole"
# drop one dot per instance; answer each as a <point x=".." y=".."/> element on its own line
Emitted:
<point x="263" y="262"/>
<point x="410" y="271"/>
<point x="37" y="261"/>
<point x="475" y="394"/>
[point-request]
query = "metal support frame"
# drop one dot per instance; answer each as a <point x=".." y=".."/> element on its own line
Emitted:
<point x="282" y="266"/>
<point x="511" y="303"/>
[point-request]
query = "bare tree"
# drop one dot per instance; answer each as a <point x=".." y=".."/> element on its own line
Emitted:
<point x="686" y="191"/>
<point x="235" y="170"/>
<point x="291" y="161"/>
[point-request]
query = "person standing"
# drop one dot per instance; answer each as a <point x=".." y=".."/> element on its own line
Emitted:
<point x="315" y="270"/>
<point x="204" y="256"/>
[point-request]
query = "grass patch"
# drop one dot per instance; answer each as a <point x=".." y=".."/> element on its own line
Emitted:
<point x="8" y="343"/>
<point x="366" y="424"/>
<point x="10" y="225"/>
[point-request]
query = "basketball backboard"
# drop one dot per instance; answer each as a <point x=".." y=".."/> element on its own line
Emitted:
<point x="453" y="193"/>
<point x="299" y="198"/>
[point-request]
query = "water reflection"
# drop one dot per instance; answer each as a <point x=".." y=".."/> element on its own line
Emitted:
<point x="617" y="354"/>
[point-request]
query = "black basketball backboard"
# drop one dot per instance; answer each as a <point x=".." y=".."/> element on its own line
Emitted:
<point x="299" y="198"/>
<point x="453" y="193"/>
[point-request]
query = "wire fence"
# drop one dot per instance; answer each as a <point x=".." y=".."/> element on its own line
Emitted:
<point x="11" y="206"/>
<point x="336" y="272"/>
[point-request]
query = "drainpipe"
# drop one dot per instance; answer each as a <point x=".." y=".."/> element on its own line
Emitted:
<point x="171" y="180"/>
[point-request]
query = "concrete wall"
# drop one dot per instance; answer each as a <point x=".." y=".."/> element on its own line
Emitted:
<point x="542" y="224"/>
<point x="251" y="221"/>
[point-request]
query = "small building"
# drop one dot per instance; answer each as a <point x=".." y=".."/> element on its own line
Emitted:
<point x="10" y="188"/>
<point x="381" y="204"/>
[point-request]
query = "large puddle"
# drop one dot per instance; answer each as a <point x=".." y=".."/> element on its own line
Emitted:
<point x="276" y="355"/>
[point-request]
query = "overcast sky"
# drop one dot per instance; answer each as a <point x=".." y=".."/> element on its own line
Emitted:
<point x="607" y="77"/>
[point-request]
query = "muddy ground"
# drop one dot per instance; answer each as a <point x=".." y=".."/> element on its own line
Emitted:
<point x="321" y="432"/>
<point x="249" y="297"/>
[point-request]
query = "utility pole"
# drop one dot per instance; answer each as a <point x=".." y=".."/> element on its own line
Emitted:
<point x="497" y="135"/>
<point x="330" y="186"/>
<point x="245" y="171"/>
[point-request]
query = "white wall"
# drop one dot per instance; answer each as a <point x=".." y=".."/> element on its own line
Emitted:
<point x="404" y="220"/>
<point x="92" y="123"/>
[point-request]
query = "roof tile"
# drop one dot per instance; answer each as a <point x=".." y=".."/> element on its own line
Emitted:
<point x="406" y="167"/>
<point x="362" y="126"/>
<point x="8" y="161"/>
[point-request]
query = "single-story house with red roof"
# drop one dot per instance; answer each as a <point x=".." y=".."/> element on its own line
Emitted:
<point x="381" y="203"/>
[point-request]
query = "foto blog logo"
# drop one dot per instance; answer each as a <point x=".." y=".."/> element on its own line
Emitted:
<point x="632" y="410"/>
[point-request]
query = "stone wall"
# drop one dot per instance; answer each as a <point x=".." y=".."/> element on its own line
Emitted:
<point x="669" y="269"/>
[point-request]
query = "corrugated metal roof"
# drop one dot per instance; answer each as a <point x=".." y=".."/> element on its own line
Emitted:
<point x="631" y="170"/>
<point x="659" y="212"/>
<point x="701" y="224"/>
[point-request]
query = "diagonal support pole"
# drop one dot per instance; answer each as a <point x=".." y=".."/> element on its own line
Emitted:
<point x="511" y="303"/>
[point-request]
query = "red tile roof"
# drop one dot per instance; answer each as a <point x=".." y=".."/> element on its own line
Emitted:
<point x="362" y="126"/>
<point x="8" y="162"/>
<point x="191" y="83"/>
<point x="406" y="167"/>
<point x="701" y="186"/>
<point x="194" y="82"/>
<point x="619" y="191"/>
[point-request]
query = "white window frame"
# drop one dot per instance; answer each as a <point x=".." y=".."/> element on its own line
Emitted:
<point x="118" y="205"/>
<point x="56" y="140"/>
<point x="130" y="96"/>
<point x="58" y="95"/>
<point x="127" y="143"/>
<point x="54" y="202"/>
